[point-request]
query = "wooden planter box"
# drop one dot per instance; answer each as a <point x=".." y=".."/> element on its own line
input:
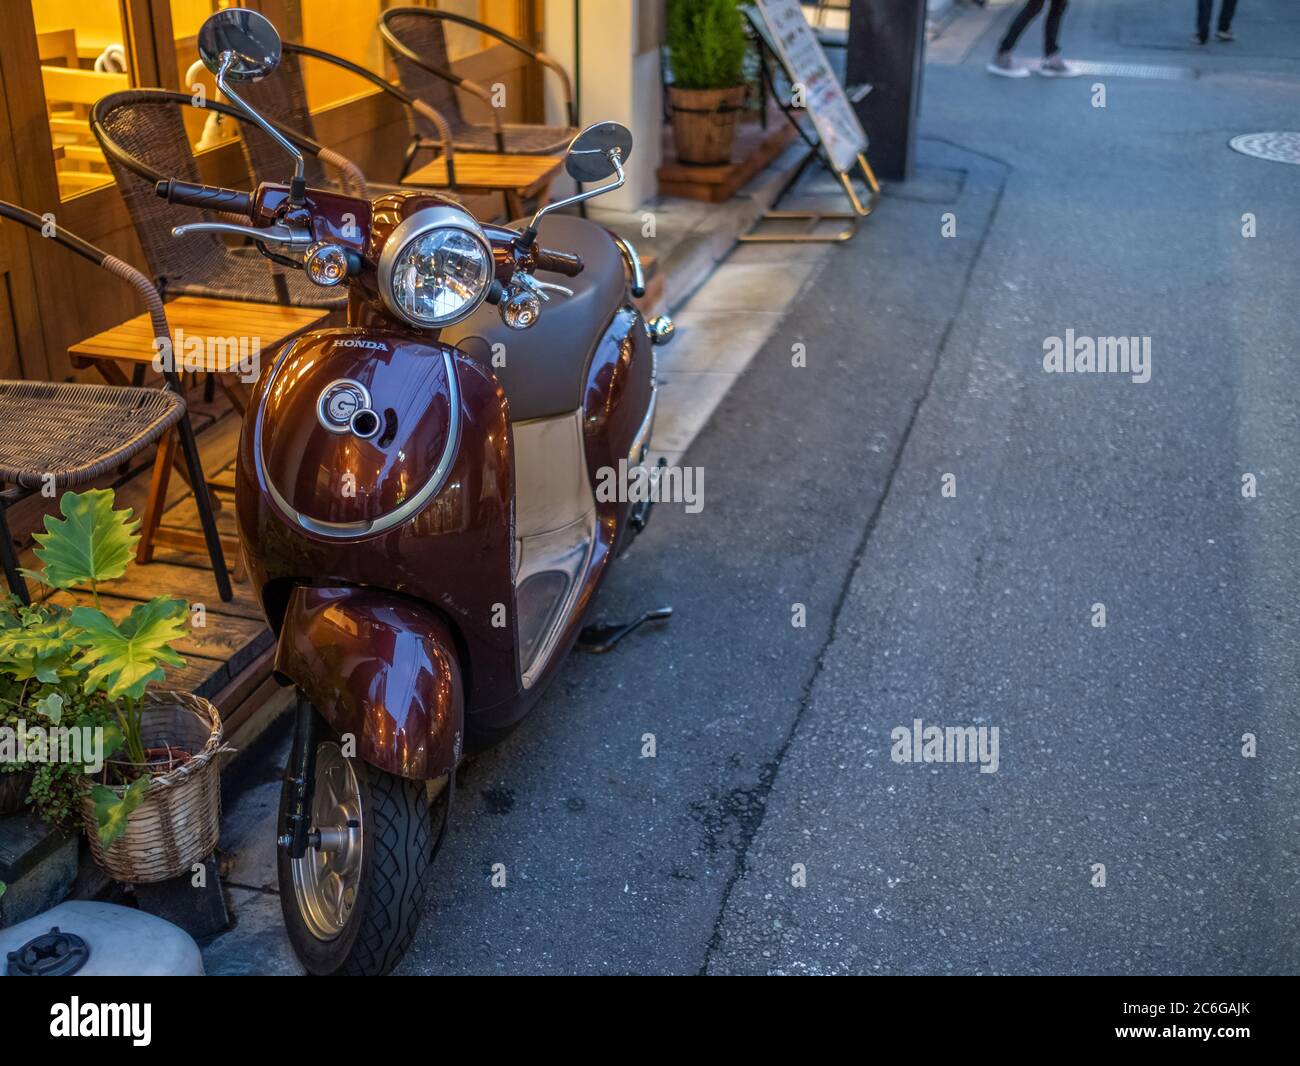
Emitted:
<point x="755" y="149"/>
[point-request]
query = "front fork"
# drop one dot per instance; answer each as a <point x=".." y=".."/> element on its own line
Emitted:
<point x="297" y="835"/>
<point x="301" y="776"/>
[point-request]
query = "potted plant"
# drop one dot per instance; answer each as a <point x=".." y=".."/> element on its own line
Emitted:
<point x="706" y="44"/>
<point x="154" y="807"/>
<point x="38" y="694"/>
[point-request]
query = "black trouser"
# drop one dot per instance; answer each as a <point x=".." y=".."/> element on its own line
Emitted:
<point x="1026" y="16"/>
<point x="1227" y="9"/>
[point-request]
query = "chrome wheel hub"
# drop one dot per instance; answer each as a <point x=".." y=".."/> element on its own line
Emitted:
<point x="327" y="878"/>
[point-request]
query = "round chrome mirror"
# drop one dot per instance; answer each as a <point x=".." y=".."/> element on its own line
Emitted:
<point x="244" y="39"/>
<point x="588" y="156"/>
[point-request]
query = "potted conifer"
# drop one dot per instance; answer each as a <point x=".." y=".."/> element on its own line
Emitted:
<point x="706" y="45"/>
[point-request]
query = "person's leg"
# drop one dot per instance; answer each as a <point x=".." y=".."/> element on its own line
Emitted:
<point x="1226" y="11"/>
<point x="1203" y="19"/>
<point x="1051" y="44"/>
<point x="1018" y="24"/>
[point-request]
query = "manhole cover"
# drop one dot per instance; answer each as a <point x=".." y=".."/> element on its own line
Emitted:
<point x="1278" y="147"/>
<point x="1132" y="70"/>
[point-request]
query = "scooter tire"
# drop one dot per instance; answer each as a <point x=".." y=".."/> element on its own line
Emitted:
<point x="397" y="848"/>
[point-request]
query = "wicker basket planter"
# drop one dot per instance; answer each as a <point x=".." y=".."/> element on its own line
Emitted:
<point x="179" y="820"/>
<point x="704" y="123"/>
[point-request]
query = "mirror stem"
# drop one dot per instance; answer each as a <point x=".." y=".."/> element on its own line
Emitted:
<point x="529" y="236"/>
<point x="298" y="187"/>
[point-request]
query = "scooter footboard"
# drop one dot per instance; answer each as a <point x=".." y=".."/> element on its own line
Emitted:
<point x="381" y="670"/>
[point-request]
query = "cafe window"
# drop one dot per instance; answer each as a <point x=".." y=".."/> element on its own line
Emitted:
<point x="345" y="30"/>
<point x="83" y="56"/>
<point x="191" y="75"/>
<point x="503" y="15"/>
<point x="186" y="17"/>
<point x="350" y="30"/>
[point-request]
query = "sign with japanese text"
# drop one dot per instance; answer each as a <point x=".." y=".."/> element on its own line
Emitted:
<point x="795" y="44"/>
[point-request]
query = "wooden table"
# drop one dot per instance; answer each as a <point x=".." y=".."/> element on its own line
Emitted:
<point x="229" y="339"/>
<point x="212" y="336"/>
<point x="518" y="177"/>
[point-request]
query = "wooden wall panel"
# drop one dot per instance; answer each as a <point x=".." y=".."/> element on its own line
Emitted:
<point x="27" y="179"/>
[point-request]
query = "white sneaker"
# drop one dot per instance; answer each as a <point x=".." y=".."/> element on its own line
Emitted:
<point x="1005" y="67"/>
<point x="1055" y="67"/>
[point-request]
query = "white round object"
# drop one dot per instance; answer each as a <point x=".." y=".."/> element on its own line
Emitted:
<point x="123" y="942"/>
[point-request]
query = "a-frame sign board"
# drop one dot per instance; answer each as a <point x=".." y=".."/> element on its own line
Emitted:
<point x="837" y="137"/>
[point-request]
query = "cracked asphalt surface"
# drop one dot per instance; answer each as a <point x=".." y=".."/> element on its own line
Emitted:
<point x="1118" y="745"/>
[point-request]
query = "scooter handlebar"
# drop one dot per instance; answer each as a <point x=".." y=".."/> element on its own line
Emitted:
<point x="559" y="262"/>
<point x="208" y="197"/>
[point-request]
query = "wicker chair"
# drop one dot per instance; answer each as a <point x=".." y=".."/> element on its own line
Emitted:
<point x="418" y="41"/>
<point x="282" y="96"/>
<point x="63" y="435"/>
<point x="143" y="137"/>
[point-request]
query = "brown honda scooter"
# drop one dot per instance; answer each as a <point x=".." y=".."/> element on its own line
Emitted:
<point x="416" y="500"/>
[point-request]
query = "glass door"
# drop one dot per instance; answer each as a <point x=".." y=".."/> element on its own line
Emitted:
<point x="83" y="56"/>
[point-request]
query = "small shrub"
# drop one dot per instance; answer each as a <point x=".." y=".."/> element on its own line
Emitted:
<point x="706" y="40"/>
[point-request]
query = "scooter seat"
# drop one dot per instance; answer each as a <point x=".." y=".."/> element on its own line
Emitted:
<point x="545" y="367"/>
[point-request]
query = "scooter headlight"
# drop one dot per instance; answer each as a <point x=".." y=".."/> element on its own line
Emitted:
<point x="436" y="268"/>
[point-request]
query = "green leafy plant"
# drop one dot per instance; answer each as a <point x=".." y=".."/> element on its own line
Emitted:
<point x="91" y="544"/>
<point x="37" y="644"/>
<point x="79" y="666"/>
<point x="112" y="810"/>
<point x="706" y="40"/>
<point x="54" y="789"/>
<point x="125" y="659"/>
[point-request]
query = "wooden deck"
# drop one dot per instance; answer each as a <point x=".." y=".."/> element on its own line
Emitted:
<point x="228" y="659"/>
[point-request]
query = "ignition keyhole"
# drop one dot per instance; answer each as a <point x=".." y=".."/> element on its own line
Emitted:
<point x="364" y="423"/>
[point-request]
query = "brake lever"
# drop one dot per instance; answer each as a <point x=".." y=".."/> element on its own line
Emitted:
<point x="540" y="288"/>
<point x="561" y="289"/>
<point x="276" y="234"/>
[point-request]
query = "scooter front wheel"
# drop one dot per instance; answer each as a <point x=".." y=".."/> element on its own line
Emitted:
<point x="352" y="903"/>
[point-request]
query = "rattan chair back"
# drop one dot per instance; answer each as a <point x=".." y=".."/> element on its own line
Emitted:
<point x="423" y="33"/>
<point x="281" y="95"/>
<point x="152" y="130"/>
<point x="143" y="135"/>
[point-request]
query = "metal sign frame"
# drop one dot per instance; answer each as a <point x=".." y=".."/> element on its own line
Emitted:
<point x="773" y="56"/>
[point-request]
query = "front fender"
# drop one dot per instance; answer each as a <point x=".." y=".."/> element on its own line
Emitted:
<point x="381" y="669"/>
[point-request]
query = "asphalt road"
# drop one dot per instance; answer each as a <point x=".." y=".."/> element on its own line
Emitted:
<point x="824" y="487"/>
<point x="1120" y="745"/>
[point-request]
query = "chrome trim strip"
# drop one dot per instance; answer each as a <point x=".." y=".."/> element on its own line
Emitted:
<point x="399" y="514"/>
<point x="642" y="438"/>
<point x="633" y="261"/>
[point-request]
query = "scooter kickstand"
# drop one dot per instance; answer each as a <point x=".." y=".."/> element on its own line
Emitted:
<point x="599" y="639"/>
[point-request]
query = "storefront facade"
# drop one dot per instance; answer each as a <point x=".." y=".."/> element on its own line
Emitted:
<point x="59" y="56"/>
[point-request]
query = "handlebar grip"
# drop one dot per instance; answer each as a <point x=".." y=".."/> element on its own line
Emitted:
<point x="209" y="197"/>
<point x="559" y="262"/>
